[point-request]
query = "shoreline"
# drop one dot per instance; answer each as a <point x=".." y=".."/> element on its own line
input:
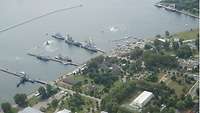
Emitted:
<point x="159" y="5"/>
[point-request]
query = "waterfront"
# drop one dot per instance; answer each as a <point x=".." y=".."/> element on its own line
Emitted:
<point x="102" y="20"/>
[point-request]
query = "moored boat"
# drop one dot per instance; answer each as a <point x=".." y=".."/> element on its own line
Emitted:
<point x="58" y="36"/>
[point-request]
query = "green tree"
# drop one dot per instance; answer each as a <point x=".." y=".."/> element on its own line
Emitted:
<point x="180" y="104"/>
<point x="43" y="92"/>
<point x="76" y="103"/>
<point x="169" y="110"/>
<point x="153" y="60"/>
<point x="197" y="43"/>
<point x="6" y="107"/>
<point x="184" y="52"/>
<point x="152" y="78"/>
<point x="188" y="101"/>
<point x="147" y="46"/>
<point x="136" y="53"/>
<point x="54" y="103"/>
<point x="167" y="33"/>
<point x="50" y="90"/>
<point x="197" y="91"/>
<point x="20" y="99"/>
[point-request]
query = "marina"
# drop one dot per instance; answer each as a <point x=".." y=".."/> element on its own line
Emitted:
<point x="81" y="23"/>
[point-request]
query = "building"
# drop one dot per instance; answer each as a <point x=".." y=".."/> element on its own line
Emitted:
<point x="103" y="112"/>
<point x="69" y="81"/>
<point x="64" y="111"/>
<point x="30" y="110"/>
<point x="142" y="100"/>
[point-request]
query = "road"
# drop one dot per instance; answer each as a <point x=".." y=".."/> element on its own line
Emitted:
<point x="192" y="90"/>
<point x="44" y="103"/>
<point x="59" y="95"/>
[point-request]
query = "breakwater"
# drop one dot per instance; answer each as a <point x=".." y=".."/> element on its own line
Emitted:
<point x="38" y="17"/>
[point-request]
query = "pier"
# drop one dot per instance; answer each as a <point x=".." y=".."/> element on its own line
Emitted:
<point x="48" y="58"/>
<point x="38" y="17"/>
<point x="122" y="39"/>
<point x="175" y="10"/>
<point x="23" y="77"/>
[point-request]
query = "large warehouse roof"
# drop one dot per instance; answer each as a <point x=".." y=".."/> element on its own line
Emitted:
<point x="142" y="99"/>
<point x="30" y="110"/>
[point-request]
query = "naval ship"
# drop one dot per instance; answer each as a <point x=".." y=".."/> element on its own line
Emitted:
<point x="70" y="41"/>
<point x="63" y="58"/>
<point x="89" y="45"/>
<point x="58" y="36"/>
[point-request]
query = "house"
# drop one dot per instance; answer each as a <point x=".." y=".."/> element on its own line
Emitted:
<point x="64" y="111"/>
<point x="30" y="110"/>
<point x="142" y="100"/>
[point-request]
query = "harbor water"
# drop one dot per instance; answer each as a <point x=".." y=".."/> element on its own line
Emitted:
<point x="99" y="20"/>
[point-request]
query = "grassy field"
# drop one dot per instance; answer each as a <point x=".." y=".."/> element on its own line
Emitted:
<point x="186" y="35"/>
<point x="180" y="89"/>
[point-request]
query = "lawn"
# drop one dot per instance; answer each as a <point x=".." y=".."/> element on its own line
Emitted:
<point x="179" y="88"/>
<point x="15" y="110"/>
<point x="187" y="35"/>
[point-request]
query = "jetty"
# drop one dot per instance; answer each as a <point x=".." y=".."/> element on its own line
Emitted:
<point x="48" y="58"/>
<point x="38" y="17"/>
<point x="23" y="77"/>
<point x="159" y="5"/>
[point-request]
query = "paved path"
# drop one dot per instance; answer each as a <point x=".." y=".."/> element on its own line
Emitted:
<point x="192" y="90"/>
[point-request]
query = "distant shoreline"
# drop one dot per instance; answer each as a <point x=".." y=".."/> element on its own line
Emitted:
<point x="160" y="5"/>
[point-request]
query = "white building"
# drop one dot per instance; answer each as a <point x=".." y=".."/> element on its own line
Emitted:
<point x="30" y="110"/>
<point x="103" y="112"/>
<point x="142" y="99"/>
<point x="64" y="111"/>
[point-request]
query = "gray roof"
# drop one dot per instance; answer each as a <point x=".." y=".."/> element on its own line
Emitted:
<point x="64" y="111"/>
<point x="30" y="110"/>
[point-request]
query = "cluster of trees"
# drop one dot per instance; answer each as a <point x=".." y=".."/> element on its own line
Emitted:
<point x="136" y="53"/>
<point x="98" y="70"/>
<point x="152" y="78"/>
<point x="47" y="92"/>
<point x="155" y="60"/>
<point x="20" y="100"/>
<point x="6" y="107"/>
<point x="111" y="103"/>
<point x="76" y="103"/>
<point x="184" y="52"/>
<point x="185" y="102"/>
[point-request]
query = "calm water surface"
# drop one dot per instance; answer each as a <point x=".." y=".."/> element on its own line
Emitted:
<point x="92" y="21"/>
